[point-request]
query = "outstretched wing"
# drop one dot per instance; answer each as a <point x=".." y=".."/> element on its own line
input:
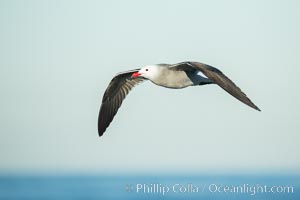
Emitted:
<point x="113" y="97"/>
<point x="219" y="78"/>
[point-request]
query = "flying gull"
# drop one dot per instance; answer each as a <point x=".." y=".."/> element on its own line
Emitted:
<point x="174" y="76"/>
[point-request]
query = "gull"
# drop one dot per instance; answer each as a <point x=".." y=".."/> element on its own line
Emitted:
<point x="174" y="76"/>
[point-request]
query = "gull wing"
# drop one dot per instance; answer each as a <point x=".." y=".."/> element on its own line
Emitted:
<point x="113" y="97"/>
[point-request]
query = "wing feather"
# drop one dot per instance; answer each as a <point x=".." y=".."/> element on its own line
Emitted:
<point x="219" y="78"/>
<point x="113" y="97"/>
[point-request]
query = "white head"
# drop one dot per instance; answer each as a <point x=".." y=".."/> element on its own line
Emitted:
<point x="149" y="72"/>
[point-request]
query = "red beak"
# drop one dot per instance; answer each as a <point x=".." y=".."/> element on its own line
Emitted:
<point x="136" y="74"/>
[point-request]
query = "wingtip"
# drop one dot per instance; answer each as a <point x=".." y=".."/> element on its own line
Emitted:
<point x="100" y="133"/>
<point x="256" y="108"/>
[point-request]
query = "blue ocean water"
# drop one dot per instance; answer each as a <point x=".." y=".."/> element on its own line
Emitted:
<point x="67" y="187"/>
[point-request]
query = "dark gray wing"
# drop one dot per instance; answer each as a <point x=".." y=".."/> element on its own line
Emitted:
<point x="217" y="77"/>
<point x="113" y="97"/>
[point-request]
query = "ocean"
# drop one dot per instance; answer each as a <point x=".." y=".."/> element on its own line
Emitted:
<point x="105" y="187"/>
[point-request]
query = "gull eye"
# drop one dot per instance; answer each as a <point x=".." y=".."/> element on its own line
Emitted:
<point x="146" y="70"/>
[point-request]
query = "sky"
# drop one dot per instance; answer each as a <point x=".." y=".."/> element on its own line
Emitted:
<point x="57" y="58"/>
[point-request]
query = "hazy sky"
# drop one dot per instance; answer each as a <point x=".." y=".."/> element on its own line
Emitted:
<point x="57" y="58"/>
